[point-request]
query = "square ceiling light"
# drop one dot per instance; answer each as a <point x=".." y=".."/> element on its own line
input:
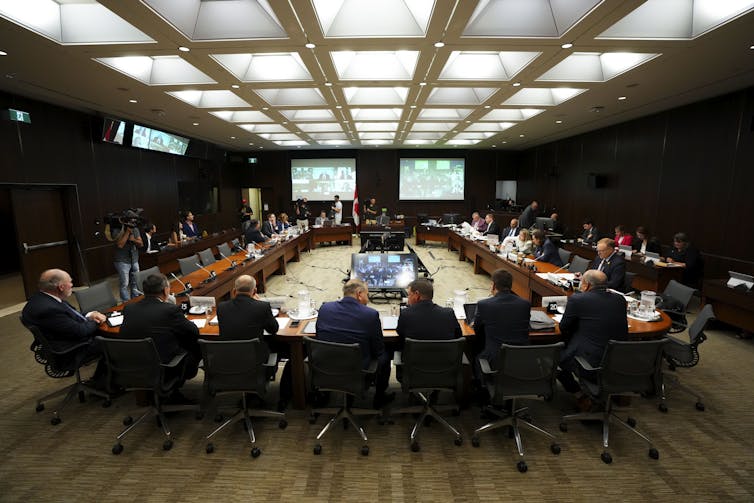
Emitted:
<point x="462" y="142"/>
<point x="543" y="96"/>
<point x="334" y="143"/>
<point x="460" y="95"/>
<point x="483" y="65"/>
<point x="157" y="70"/>
<point x="376" y="114"/>
<point x="279" y="136"/>
<point x="373" y="19"/>
<point x="263" y="128"/>
<point x="479" y="136"/>
<point x="375" y="65"/>
<point x="328" y="136"/>
<point x="419" y="142"/>
<point x="318" y="115"/>
<point x="375" y="95"/>
<point x="526" y="18"/>
<point x="377" y="136"/>
<point x="314" y="127"/>
<point x="209" y="99"/>
<point x="433" y="126"/>
<point x="266" y="67"/>
<point x="220" y="20"/>
<point x="425" y="136"/>
<point x="444" y="114"/>
<point x="595" y="66"/>
<point x="495" y="127"/>
<point x="676" y="19"/>
<point x="375" y="126"/>
<point x="377" y="142"/>
<point x="291" y="143"/>
<point x="241" y="116"/>
<point x="512" y="114"/>
<point x="286" y="97"/>
<point x="66" y="22"/>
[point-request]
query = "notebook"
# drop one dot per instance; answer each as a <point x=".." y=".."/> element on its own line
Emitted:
<point x="470" y="310"/>
<point x="389" y="322"/>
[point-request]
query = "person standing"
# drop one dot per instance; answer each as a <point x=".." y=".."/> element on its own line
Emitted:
<point x="529" y="215"/>
<point x="126" y="260"/>
<point x="370" y="212"/>
<point x="245" y="213"/>
<point x="337" y="209"/>
<point x="303" y="213"/>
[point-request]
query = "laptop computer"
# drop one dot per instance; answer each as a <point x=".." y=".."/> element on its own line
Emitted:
<point x="738" y="280"/>
<point x="470" y="311"/>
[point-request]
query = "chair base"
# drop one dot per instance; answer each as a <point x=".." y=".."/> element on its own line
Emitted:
<point x="245" y="415"/>
<point x="345" y="413"/>
<point x="427" y="409"/>
<point x="79" y="388"/>
<point x="158" y="411"/>
<point x="666" y="377"/>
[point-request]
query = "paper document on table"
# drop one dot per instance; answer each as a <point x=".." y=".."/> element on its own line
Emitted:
<point x="311" y="328"/>
<point x="460" y="312"/>
<point x="199" y="322"/>
<point x="214" y="322"/>
<point x="282" y="323"/>
<point x="567" y="276"/>
<point x="557" y="317"/>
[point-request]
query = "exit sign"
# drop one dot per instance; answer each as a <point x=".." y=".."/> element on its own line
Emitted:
<point x="19" y="116"/>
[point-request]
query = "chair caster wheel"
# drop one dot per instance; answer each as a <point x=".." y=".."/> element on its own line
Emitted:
<point x="475" y="441"/>
<point x="521" y="465"/>
<point x="458" y="441"/>
<point x="210" y="448"/>
<point x="365" y="450"/>
<point x="107" y="403"/>
<point x="40" y="407"/>
<point x="127" y="420"/>
<point x="699" y="406"/>
<point x="282" y="424"/>
<point x="55" y="420"/>
<point x="219" y="418"/>
<point x="255" y="452"/>
<point x="563" y="427"/>
<point x="654" y="453"/>
<point x="167" y="445"/>
<point x="555" y="449"/>
<point x="606" y="458"/>
<point x="117" y="449"/>
<point x="317" y="449"/>
<point x="662" y="407"/>
<point x="415" y="447"/>
<point x="631" y="422"/>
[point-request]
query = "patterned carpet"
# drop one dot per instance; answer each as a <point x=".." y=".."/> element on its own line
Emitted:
<point x="704" y="456"/>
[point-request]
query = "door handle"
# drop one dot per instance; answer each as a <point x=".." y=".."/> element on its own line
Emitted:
<point x="41" y="246"/>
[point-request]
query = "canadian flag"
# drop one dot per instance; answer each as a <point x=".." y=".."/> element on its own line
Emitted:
<point x="355" y="211"/>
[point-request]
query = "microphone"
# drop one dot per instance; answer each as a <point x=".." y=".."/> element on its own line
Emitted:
<point x="186" y="286"/>
<point x="212" y="274"/>
<point x="556" y="280"/>
<point x="562" y="268"/>
<point x="232" y="264"/>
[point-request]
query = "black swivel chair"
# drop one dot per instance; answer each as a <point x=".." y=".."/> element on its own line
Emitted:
<point x="675" y="303"/>
<point x="207" y="257"/>
<point x="61" y="364"/>
<point x="679" y="353"/>
<point x="628" y="283"/>
<point x="97" y="297"/>
<point x="337" y="368"/>
<point x="524" y="372"/>
<point x="134" y="365"/>
<point x="430" y="367"/>
<point x="239" y="367"/>
<point x="142" y="275"/>
<point x="188" y="264"/>
<point x="579" y="264"/>
<point x="627" y="368"/>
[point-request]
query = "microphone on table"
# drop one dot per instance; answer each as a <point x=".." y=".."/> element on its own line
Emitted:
<point x="232" y="263"/>
<point x="555" y="280"/>
<point x="561" y="268"/>
<point x="186" y="286"/>
<point x="212" y="274"/>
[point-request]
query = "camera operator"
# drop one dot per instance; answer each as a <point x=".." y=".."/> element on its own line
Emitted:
<point x="126" y="257"/>
<point x="303" y="213"/>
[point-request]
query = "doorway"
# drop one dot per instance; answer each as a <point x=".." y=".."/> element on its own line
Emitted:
<point x="254" y="197"/>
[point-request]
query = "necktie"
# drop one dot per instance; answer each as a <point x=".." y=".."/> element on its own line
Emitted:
<point x="602" y="264"/>
<point x="72" y="309"/>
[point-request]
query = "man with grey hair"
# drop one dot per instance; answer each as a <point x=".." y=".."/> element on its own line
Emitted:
<point x="349" y="320"/>
<point x="423" y="319"/>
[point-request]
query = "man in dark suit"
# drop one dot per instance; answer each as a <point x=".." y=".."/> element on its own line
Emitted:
<point x="502" y="318"/>
<point x="512" y="230"/>
<point x="612" y="263"/>
<point x="591" y="319"/>
<point x="164" y="322"/>
<point x="529" y="215"/>
<point x="590" y="234"/>
<point x="150" y="244"/>
<point x="270" y="227"/>
<point x="492" y="226"/>
<point x="423" y="319"/>
<point x="545" y="250"/>
<point x="349" y="320"/>
<point x="253" y="234"/>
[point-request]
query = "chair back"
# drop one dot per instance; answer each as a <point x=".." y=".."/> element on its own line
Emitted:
<point x="565" y="255"/>
<point x="56" y="364"/>
<point x="188" y="264"/>
<point x="142" y="275"/>
<point x="579" y="264"/>
<point x="132" y="363"/>
<point x="432" y="364"/>
<point x="526" y="371"/>
<point x="207" y="257"/>
<point x="696" y="330"/>
<point x="97" y="297"/>
<point x="236" y="243"/>
<point x="631" y="367"/>
<point x="680" y="292"/>
<point x="224" y="249"/>
<point x="234" y="366"/>
<point x="629" y="281"/>
<point x="334" y="366"/>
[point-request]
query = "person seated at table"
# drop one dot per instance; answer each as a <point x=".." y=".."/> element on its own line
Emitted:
<point x="610" y="262"/>
<point x="590" y="234"/>
<point x="321" y="219"/>
<point x="271" y="227"/>
<point x="189" y="228"/>
<point x="149" y="243"/>
<point x="423" y="319"/>
<point x="523" y="242"/>
<point x="492" y="226"/>
<point x="687" y="255"/>
<point x="645" y="242"/>
<point x="284" y="223"/>
<point x="557" y="225"/>
<point x="622" y="238"/>
<point x="478" y="223"/>
<point x="253" y="234"/>
<point x="544" y="249"/>
<point x="591" y="319"/>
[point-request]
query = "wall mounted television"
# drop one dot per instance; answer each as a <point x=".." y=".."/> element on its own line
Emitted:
<point x="113" y="131"/>
<point x="160" y="141"/>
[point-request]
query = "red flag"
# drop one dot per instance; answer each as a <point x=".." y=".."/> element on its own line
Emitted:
<point x="355" y="211"/>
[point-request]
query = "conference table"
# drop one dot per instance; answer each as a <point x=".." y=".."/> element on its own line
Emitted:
<point x="732" y="306"/>
<point x="329" y="233"/>
<point x="167" y="259"/>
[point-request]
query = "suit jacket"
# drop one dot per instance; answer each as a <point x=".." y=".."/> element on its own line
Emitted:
<point x="347" y="321"/>
<point x="548" y="252"/>
<point x="652" y="245"/>
<point x="58" y="321"/>
<point x="692" y="274"/>
<point x="614" y="268"/>
<point x="527" y="218"/>
<point x="268" y="230"/>
<point x="150" y="243"/>
<point x="164" y="323"/>
<point x="503" y="318"/>
<point x="493" y="228"/>
<point x="507" y="232"/>
<point x="254" y="236"/>
<point x="244" y="318"/>
<point x="426" y="320"/>
<point x="191" y="231"/>
<point x="591" y="236"/>
<point x="590" y="320"/>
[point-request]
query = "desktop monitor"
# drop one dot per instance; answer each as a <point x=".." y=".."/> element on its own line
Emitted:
<point x="544" y="223"/>
<point x="384" y="271"/>
<point x="451" y="218"/>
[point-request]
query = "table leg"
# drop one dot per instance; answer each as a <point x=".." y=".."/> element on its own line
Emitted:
<point x="298" y="381"/>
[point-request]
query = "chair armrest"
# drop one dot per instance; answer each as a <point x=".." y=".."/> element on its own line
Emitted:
<point x="485" y="366"/>
<point x="272" y="360"/>
<point x="201" y="363"/>
<point x="70" y="350"/>
<point x="177" y="359"/>
<point x="464" y="359"/>
<point x="372" y="369"/>
<point x="398" y="358"/>
<point x="585" y="364"/>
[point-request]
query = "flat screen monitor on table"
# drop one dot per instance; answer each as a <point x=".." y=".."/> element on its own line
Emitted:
<point x="384" y="271"/>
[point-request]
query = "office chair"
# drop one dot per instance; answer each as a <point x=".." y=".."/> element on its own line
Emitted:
<point x="579" y="264"/>
<point x="134" y="365"/>
<point x="627" y="368"/>
<point x="337" y="368"/>
<point x="97" y="297"/>
<point x="207" y="257"/>
<point x="61" y="364"/>
<point x="188" y="264"/>
<point x="224" y="249"/>
<point x="681" y="293"/>
<point x="526" y="372"/>
<point x="628" y="283"/>
<point x="142" y="275"/>
<point x="429" y="367"/>
<point x="236" y="243"/>
<point x="565" y="255"/>
<point x="686" y="354"/>
<point x="239" y="367"/>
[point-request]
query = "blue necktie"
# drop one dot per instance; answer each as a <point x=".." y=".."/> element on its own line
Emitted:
<point x="75" y="311"/>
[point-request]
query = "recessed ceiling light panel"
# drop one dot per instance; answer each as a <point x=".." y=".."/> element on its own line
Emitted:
<point x="543" y="96"/>
<point x="210" y="99"/>
<point x="269" y="67"/>
<point x="512" y="114"/>
<point x="370" y="19"/>
<point x="375" y="65"/>
<point x="595" y="67"/>
<point x="286" y="97"/>
<point x="157" y="70"/>
<point x="483" y="65"/>
<point x="317" y="115"/>
<point x="460" y="95"/>
<point x="376" y="95"/>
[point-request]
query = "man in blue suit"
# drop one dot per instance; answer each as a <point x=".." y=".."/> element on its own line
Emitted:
<point x="545" y="250"/>
<point x="349" y="320"/>
<point x="423" y="319"/>
<point x="611" y="263"/>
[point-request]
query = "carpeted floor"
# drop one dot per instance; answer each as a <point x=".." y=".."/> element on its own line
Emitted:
<point x="704" y="456"/>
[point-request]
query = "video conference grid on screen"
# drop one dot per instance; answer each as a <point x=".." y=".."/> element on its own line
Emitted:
<point x="153" y="139"/>
<point x="321" y="179"/>
<point x="431" y="179"/>
<point x="384" y="271"/>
